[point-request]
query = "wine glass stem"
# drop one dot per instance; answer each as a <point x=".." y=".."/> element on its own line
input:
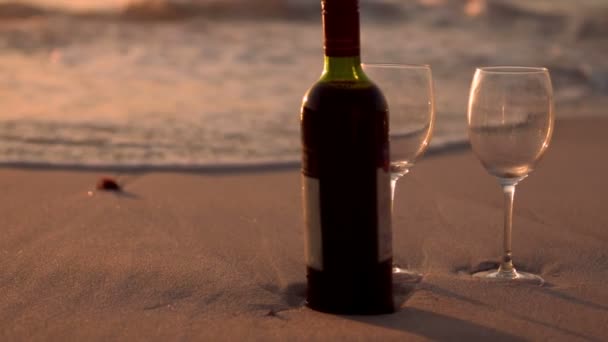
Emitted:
<point x="506" y="266"/>
<point x="394" y="178"/>
<point x="393" y="185"/>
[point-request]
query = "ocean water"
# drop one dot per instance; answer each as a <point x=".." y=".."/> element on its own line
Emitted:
<point x="189" y="83"/>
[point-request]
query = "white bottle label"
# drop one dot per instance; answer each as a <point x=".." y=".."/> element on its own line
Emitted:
<point x="312" y="219"/>
<point x="385" y="234"/>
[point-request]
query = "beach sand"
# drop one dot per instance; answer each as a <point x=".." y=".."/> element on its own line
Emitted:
<point x="218" y="254"/>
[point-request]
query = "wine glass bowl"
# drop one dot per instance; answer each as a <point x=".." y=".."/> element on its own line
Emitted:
<point x="510" y="124"/>
<point x="409" y="92"/>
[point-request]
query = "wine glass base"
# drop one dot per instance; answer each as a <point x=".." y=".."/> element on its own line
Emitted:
<point x="403" y="275"/>
<point x="516" y="276"/>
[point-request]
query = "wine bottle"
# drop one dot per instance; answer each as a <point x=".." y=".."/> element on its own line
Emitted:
<point x="346" y="180"/>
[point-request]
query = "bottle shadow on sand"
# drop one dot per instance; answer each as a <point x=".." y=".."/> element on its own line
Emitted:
<point x="436" y="326"/>
<point x="424" y="323"/>
<point x="415" y="320"/>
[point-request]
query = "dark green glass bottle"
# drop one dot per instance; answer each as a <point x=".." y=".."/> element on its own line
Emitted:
<point x="346" y="180"/>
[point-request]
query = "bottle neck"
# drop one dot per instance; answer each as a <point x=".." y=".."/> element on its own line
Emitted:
<point x="343" y="69"/>
<point x="341" y="40"/>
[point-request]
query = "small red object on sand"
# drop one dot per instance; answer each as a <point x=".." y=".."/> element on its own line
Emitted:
<point x="108" y="184"/>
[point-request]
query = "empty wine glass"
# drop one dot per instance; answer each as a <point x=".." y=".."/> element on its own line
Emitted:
<point x="409" y="92"/>
<point x="510" y="123"/>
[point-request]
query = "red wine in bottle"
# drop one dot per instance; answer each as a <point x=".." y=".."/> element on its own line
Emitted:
<point x="346" y="180"/>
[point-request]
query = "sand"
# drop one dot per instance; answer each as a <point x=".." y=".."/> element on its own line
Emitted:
<point x="218" y="254"/>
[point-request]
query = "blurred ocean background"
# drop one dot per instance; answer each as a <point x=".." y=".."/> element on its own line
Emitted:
<point x="190" y="83"/>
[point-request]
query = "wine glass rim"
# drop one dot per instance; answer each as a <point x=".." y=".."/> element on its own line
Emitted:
<point x="397" y="65"/>
<point x="512" y="69"/>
